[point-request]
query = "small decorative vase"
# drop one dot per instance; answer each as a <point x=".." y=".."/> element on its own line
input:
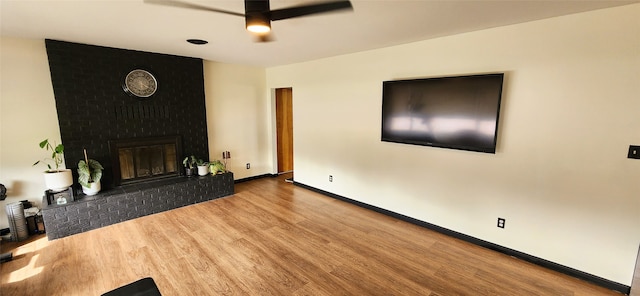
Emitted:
<point x="93" y="189"/>
<point x="61" y="200"/>
<point x="188" y="172"/>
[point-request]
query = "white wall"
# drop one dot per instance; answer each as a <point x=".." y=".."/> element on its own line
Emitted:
<point x="27" y="116"/>
<point x="560" y="176"/>
<point x="237" y="117"/>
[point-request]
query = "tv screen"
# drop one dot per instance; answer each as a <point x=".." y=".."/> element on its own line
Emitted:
<point x="450" y="112"/>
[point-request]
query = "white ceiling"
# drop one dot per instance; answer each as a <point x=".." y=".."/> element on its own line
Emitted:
<point x="133" y="24"/>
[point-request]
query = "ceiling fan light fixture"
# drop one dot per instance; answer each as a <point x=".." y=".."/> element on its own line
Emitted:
<point x="258" y="14"/>
<point x="258" y="29"/>
<point x="258" y="24"/>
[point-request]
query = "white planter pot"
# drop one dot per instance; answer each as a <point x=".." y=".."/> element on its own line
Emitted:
<point x="93" y="189"/>
<point x="58" y="180"/>
<point x="203" y="170"/>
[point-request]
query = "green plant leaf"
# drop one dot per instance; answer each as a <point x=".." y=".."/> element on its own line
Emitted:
<point x="185" y="161"/>
<point x="56" y="153"/>
<point x="91" y="172"/>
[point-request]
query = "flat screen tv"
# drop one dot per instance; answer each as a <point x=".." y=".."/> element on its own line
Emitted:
<point x="458" y="112"/>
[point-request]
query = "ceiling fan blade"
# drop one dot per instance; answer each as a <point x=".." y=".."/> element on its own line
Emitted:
<point x="190" y="6"/>
<point x="296" y="11"/>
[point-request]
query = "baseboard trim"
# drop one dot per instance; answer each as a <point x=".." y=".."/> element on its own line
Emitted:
<point x="255" y="178"/>
<point x="611" y="285"/>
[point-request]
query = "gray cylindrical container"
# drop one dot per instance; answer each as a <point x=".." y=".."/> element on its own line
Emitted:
<point x="17" y="221"/>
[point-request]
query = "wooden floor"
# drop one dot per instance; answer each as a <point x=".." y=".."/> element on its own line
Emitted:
<point x="274" y="238"/>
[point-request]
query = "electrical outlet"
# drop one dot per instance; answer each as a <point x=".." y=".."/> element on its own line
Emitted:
<point x="501" y="222"/>
<point x="634" y="152"/>
<point x="330" y="178"/>
<point x="248" y="165"/>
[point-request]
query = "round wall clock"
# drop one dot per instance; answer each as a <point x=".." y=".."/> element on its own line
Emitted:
<point x="140" y="83"/>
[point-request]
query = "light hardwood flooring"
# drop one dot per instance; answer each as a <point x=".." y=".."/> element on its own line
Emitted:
<point x="274" y="238"/>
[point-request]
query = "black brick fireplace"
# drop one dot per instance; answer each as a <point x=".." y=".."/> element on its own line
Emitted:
<point x="139" y="141"/>
<point x="93" y="108"/>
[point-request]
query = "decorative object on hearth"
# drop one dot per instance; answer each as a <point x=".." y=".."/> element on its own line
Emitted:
<point x="189" y="163"/>
<point x="217" y="167"/>
<point x="140" y="83"/>
<point x="59" y="197"/>
<point x="258" y="15"/>
<point x="226" y="155"/>
<point x="55" y="179"/>
<point x="203" y="167"/>
<point x="89" y="175"/>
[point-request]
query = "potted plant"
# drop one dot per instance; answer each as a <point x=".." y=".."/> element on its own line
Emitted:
<point x="203" y="167"/>
<point x="189" y="163"/>
<point x="89" y="175"/>
<point x="55" y="179"/>
<point x="217" y="167"/>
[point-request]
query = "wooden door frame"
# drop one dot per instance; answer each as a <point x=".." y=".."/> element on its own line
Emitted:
<point x="284" y="130"/>
<point x="274" y="129"/>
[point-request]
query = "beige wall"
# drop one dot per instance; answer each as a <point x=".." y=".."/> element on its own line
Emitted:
<point x="237" y="113"/>
<point x="560" y="176"/>
<point x="27" y="116"/>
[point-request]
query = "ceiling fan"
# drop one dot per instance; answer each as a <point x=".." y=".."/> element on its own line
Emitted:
<point x="258" y="15"/>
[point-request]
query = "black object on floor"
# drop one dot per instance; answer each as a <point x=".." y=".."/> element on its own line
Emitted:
<point x="6" y="257"/>
<point x="143" y="287"/>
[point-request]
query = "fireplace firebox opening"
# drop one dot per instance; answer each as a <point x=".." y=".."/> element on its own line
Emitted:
<point x="145" y="159"/>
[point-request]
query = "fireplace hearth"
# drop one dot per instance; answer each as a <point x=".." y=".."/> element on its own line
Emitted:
<point x="130" y="202"/>
<point x="145" y="159"/>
